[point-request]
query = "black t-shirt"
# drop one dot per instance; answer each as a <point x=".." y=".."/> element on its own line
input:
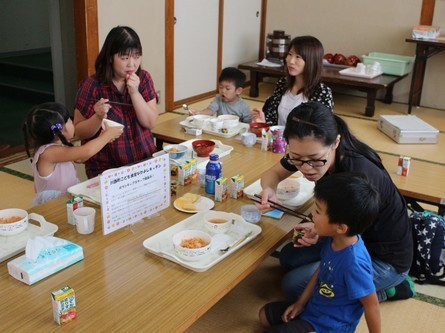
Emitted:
<point x="389" y="238"/>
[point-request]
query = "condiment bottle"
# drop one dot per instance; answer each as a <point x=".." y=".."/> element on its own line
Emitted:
<point x="213" y="172"/>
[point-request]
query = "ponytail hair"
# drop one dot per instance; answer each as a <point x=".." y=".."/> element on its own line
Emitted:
<point x="43" y="123"/>
<point x="317" y="120"/>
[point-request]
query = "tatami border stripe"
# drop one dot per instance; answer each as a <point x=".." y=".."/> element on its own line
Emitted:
<point x="430" y="299"/>
<point x="17" y="173"/>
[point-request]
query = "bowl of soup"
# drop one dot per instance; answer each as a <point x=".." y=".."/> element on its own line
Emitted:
<point x="13" y="221"/>
<point x="192" y="245"/>
<point x="218" y="222"/>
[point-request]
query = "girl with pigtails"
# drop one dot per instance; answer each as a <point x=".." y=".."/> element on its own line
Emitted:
<point x="48" y="130"/>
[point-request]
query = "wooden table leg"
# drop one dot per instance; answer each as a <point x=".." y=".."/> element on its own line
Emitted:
<point x="254" y="78"/>
<point x="370" y="102"/>
<point x="388" y="95"/>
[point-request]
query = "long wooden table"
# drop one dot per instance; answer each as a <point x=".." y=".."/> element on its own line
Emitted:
<point x="426" y="180"/>
<point x="331" y="75"/>
<point x="121" y="287"/>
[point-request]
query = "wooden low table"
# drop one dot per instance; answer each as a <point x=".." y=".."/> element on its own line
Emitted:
<point x="331" y="75"/>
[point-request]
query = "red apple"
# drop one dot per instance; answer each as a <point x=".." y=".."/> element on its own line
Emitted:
<point x="353" y="60"/>
<point x="329" y="57"/>
<point x="339" y="59"/>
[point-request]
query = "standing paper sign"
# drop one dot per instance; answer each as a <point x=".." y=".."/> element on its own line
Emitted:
<point x="133" y="192"/>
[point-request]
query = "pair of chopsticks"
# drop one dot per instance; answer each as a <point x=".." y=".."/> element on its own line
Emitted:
<point x="112" y="103"/>
<point x="276" y="205"/>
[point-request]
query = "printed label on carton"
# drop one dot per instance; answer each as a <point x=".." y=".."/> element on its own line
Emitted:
<point x="64" y="305"/>
<point x="221" y="191"/>
<point x="71" y="206"/>
<point x="236" y="186"/>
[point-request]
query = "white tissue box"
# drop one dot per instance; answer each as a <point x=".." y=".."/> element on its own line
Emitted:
<point x="48" y="262"/>
<point x="407" y="129"/>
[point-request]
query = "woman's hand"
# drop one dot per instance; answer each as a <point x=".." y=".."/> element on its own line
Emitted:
<point x="257" y="115"/>
<point x="101" y="108"/>
<point x="309" y="238"/>
<point x="132" y="80"/>
<point x="266" y="195"/>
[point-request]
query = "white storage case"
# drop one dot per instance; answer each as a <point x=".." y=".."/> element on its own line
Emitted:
<point x="407" y="129"/>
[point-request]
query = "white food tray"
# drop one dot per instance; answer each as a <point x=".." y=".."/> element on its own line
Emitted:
<point x="89" y="189"/>
<point x="352" y="71"/>
<point x="161" y="244"/>
<point x="220" y="149"/>
<point x="207" y="128"/>
<point x="306" y="191"/>
<point x="12" y="245"/>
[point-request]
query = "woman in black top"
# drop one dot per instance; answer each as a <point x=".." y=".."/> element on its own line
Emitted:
<point x="320" y="143"/>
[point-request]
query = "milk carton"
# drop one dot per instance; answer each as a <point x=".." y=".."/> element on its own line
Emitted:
<point x="236" y="186"/>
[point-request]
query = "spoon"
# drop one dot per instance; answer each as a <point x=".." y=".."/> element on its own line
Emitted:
<point x="186" y="108"/>
<point x="246" y="236"/>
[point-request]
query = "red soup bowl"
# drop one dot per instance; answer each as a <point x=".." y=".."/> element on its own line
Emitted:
<point x="203" y="147"/>
<point x="257" y="127"/>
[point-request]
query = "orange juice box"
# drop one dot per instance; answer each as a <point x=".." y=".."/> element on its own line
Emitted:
<point x="221" y="191"/>
<point x="236" y="186"/>
<point x="193" y="168"/>
<point x="185" y="175"/>
<point x="64" y="305"/>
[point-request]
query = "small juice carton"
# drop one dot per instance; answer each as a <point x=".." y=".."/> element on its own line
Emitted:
<point x="64" y="305"/>
<point x="185" y="173"/>
<point x="221" y="191"/>
<point x="194" y="168"/>
<point x="71" y="206"/>
<point x="236" y="186"/>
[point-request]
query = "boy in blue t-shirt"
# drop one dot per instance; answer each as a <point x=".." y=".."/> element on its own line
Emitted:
<point x="342" y="288"/>
<point x="228" y="101"/>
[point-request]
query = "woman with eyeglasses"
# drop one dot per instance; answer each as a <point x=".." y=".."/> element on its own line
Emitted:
<point x="319" y="144"/>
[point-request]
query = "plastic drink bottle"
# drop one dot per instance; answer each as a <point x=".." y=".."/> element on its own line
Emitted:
<point x="213" y="172"/>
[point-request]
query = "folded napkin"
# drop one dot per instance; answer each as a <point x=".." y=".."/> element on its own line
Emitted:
<point x="268" y="63"/>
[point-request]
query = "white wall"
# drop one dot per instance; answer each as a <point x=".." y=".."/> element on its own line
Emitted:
<point x="359" y="27"/>
<point x="343" y="26"/>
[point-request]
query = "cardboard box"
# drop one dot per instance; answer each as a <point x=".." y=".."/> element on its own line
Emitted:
<point x="407" y="129"/>
<point x="64" y="305"/>
<point x="425" y="32"/>
<point x="221" y="190"/>
<point x="71" y="206"/>
<point x="188" y="172"/>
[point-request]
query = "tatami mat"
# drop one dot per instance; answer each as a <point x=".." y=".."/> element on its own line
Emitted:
<point x="237" y="312"/>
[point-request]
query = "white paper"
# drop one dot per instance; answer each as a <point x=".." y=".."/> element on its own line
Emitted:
<point x="268" y="63"/>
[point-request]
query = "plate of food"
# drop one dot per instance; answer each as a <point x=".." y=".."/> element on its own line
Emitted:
<point x="192" y="203"/>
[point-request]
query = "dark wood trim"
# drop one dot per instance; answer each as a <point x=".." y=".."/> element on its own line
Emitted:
<point x="169" y="54"/>
<point x="427" y="12"/>
<point x="86" y="37"/>
<point x="261" y="47"/>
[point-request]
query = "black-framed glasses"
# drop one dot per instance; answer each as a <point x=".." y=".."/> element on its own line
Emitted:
<point x="312" y="163"/>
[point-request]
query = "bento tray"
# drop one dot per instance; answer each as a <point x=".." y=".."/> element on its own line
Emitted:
<point x="161" y="244"/>
<point x="12" y="245"/>
<point x="306" y="191"/>
<point x="207" y="128"/>
<point x="220" y="149"/>
<point x="89" y="189"/>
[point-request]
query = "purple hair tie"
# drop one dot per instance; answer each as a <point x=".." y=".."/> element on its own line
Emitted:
<point x="58" y="126"/>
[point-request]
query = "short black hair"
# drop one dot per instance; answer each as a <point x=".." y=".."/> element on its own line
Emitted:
<point x="234" y="75"/>
<point x="350" y="199"/>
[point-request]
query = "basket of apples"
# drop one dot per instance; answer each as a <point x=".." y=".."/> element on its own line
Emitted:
<point x="340" y="59"/>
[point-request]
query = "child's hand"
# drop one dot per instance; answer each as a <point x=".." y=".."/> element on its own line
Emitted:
<point x="113" y="132"/>
<point x="257" y="116"/>
<point x="309" y="238"/>
<point x="132" y="81"/>
<point x="291" y="312"/>
<point x="101" y="108"/>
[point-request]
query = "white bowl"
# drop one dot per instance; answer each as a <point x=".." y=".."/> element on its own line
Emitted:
<point x="175" y="152"/>
<point x="110" y="123"/>
<point x="13" y="228"/>
<point x="191" y="254"/>
<point x="229" y="121"/>
<point x="216" y="124"/>
<point x="288" y="189"/>
<point x="218" y="222"/>
<point x="200" y="120"/>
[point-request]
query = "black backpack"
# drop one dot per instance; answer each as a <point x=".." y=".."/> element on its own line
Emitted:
<point x="428" y="264"/>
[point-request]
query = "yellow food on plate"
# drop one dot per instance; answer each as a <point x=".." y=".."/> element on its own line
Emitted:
<point x="186" y="201"/>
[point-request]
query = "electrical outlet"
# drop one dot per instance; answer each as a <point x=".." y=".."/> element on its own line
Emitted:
<point x="158" y="97"/>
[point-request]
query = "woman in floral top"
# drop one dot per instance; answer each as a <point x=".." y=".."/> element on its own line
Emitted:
<point x="304" y="62"/>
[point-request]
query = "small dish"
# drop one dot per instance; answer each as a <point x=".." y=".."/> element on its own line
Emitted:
<point x="229" y="121"/>
<point x="288" y="189"/>
<point x="257" y="127"/>
<point x="175" y="151"/>
<point x="192" y="245"/>
<point x="201" y="204"/>
<point x="218" y="222"/>
<point x="110" y="123"/>
<point x="13" y="221"/>
<point x="203" y="147"/>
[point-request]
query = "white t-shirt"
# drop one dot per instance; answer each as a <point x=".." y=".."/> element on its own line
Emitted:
<point x="287" y="104"/>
